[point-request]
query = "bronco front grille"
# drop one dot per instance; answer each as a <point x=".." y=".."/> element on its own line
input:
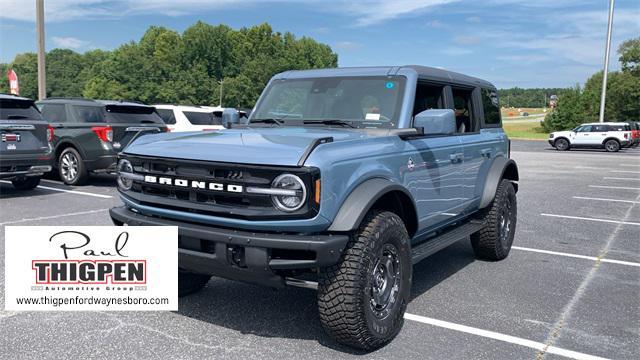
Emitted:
<point x="204" y="201"/>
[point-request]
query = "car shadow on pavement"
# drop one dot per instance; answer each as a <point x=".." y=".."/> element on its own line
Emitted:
<point x="7" y="191"/>
<point x="292" y="312"/>
<point x="96" y="180"/>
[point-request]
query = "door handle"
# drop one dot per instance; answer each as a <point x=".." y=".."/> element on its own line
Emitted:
<point x="485" y="153"/>
<point x="456" y="158"/>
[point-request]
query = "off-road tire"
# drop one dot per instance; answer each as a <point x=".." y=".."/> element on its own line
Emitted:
<point x="26" y="183"/>
<point x="561" y="145"/>
<point x="81" y="173"/>
<point x="490" y="243"/>
<point x="612" y="145"/>
<point x="189" y="283"/>
<point x="346" y="290"/>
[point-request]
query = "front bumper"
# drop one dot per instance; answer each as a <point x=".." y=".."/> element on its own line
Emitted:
<point x="21" y="167"/>
<point x="551" y="142"/>
<point x="254" y="257"/>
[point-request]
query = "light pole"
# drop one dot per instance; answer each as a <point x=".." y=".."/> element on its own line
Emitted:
<point x="42" y="79"/>
<point x="603" y="96"/>
<point x="221" y="81"/>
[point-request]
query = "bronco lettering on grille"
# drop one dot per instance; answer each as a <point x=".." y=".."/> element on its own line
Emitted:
<point x="193" y="184"/>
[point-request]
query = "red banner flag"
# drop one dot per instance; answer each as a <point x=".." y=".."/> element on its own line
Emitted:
<point x="13" y="82"/>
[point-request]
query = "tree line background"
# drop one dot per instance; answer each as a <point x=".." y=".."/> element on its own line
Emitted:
<point x="168" y="67"/>
<point x="579" y="105"/>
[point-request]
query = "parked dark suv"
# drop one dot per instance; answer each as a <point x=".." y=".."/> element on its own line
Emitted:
<point x="25" y="149"/>
<point x="90" y="133"/>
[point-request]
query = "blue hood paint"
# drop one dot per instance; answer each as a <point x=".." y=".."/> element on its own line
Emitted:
<point x="280" y="146"/>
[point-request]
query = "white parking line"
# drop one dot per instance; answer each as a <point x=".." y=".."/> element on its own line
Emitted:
<point x="601" y="199"/>
<point x="593" y="258"/>
<point x="53" y="217"/>
<point x="501" y="337"/>
<point x="614" y="187"/>
<point x="592" y="219"/>
<point x="626" y="171"/>
<point x="67" y="191"/>
<point x="629" y="165"/>
<point x="617" y="178"/>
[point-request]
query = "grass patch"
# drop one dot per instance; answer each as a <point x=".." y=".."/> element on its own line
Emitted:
<point x="525" y="130"/>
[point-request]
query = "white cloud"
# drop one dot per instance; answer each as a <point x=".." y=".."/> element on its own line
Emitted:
<point x="69" y="42"/>
<point x="365" y="12"/>
<point x="372" y="12"/>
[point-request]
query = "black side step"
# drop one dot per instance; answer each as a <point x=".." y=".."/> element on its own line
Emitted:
<point x="443" y="240"/>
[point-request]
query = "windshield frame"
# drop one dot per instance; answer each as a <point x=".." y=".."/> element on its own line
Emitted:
<point x="394" y="123"/>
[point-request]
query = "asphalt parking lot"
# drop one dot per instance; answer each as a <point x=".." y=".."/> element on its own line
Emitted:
<point x="569" y="289"/>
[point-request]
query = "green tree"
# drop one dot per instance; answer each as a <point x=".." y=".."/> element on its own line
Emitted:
<point x="629" y="52"/>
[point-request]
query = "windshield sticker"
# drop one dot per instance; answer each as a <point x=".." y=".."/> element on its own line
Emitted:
<point x="371" y="116"/>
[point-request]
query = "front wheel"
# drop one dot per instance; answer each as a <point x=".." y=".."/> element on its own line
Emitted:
<point x="362" y="299"/>
<point x="561" y="144"/>
<point x="493" y="242"/>
<point x="612" y="146"/>
<point x="26" y="183"/>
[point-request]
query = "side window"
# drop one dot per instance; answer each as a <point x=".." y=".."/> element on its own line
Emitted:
<point x="462" y="102"/>
<point x="54" y="113"/>
<point x="167" y="116"/>
<point x="491" y="107"/>
<point x="89" y="114"/>
<point x="600" y="128"/>
<point x="427" y="97"/>
<point x="585" y="128"/>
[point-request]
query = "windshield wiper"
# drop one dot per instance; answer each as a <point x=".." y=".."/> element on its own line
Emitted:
<point x="330" y="122"/>
<point x="268" y="120"/>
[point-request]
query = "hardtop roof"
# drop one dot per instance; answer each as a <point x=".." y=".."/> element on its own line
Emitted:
<point x="91" y="102"/>
<point x="422" y="72"/>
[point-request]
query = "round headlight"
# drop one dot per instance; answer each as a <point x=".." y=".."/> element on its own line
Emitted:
<point x="296" y="198"/>
<point x="124" y="166"/>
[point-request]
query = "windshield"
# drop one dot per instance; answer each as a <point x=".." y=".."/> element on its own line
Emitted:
<point x="18" y="109"/>
<point x="363" y="102"/>
<point x="132" y="114"/>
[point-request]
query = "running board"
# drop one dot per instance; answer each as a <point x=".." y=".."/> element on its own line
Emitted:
<point x="435" y="244"/>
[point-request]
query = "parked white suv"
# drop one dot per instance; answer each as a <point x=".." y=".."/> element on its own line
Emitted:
<point x="610" y="136"/>
<point x="190" y="118"/>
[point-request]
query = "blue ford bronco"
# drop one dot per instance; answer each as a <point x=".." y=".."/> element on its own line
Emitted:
<point x="340" y="181"/>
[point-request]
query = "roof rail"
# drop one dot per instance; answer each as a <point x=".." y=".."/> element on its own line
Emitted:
<point x="67" y="98"/>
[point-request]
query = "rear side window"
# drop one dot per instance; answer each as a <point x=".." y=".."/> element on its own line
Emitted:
<point x="132" y="114"/>
<point x="18" y="109"/>
<point x="202" y="118"/>
<point x="54" y="113"/>
<point x="89" y="114"/>
<point x="491" y="107"/>
<point x="167" y="116"/>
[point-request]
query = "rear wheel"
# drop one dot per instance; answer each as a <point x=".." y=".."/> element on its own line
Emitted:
<point x="26" y="183"/>
<point x="612" y="145"/>
<point x="561" y="144"/>
<point x="362" y="299"/>
<point x="494" y="241"/>
<point x="71" y="167"/>
<point x="189" y="283"/>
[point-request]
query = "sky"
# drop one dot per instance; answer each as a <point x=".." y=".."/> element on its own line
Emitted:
<point x="524" y="43"/>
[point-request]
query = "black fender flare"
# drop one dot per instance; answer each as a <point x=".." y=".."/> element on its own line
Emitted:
<point x="611" y="138"/>
<point x="65" y="143"/>
<point x="500" y="168"/>
<point x="360" y="200"/>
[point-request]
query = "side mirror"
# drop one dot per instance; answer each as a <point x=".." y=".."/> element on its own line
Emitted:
<point x="230" y="116"/>
<point x="436" y="122"/>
